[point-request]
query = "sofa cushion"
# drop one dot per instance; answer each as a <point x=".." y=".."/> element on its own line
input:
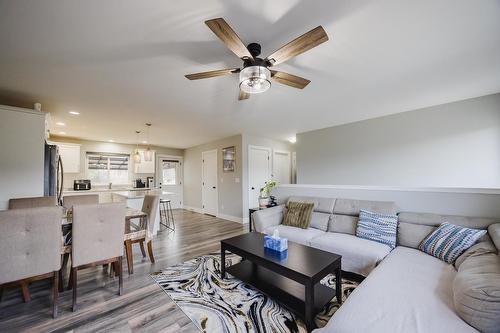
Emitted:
<point x="436" y="220"/>
<point x="297" y="235"/>
<point x="477" y="249"/>
<point x="494" y="232"/>
<point x="449" y="241"/>
<point x="343" y="223"/>
<point x="298" y="214"/>
<point x="411" y="235"/>
<point x="352" y="207"/>
<point x="476" y="291"/>
<point x="358" y="255"/>
<point x="409" y="292"/>
<point x="380" y="228"/>
<point x="320" y="221"/>
<point x="322" y="205"/>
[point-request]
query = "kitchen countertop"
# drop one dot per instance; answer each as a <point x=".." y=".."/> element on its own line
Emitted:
<point x="93" y="190"/>
<point x="140" y="194"/>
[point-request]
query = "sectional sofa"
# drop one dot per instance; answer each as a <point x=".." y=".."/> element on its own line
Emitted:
<point x="405" y="290"/>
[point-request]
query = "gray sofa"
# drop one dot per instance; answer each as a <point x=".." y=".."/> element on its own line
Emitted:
<point x="405" y="290"/>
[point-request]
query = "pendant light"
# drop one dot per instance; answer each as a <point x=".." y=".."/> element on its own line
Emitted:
<point x="137" y="156"/>
<point x="148" y="154"/>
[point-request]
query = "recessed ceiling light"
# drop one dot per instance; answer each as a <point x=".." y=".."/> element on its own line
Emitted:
<point x="111" y="140"/>
<point x="293" y="139"/>
<point x="144" y="142"/>
<point x="76" y="113"/>
<point x="60" y="123"/>
<point x="62" y="133"/>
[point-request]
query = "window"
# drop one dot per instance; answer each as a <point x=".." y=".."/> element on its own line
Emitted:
<point x="170" y="171"/>
<point x="105" y="168"/>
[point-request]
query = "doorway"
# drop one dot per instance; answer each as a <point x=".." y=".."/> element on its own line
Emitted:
<point x="170" y="178"/>
<point x="209" y="192"/>
<point x="259" y="172"/>
<point x="282" y="167"/>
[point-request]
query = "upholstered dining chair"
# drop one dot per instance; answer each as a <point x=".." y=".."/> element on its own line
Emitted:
<point x="97" y="239"/>
<point x="33" y="202"/>
<point x="143" y="232"/>
<point x="83" y="199"/>
<point x="30" y="247"/>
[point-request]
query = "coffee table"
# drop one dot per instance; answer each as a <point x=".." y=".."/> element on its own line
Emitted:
<point x="292" y="281"/>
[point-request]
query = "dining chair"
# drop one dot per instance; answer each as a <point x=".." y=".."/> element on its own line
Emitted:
<point x="97" y="240"/>
<point x="82" y="199"/>
<point x="30" y="247"/>
<point x="32" y="202"/>
<point x="142" y="232"/>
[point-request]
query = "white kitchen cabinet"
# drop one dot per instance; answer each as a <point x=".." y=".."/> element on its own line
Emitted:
<point x="145" y="166"/>
<point x="70" y="156"/>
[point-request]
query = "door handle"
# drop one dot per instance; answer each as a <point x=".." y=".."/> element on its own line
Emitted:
<point x="213" y="187"/>
<point x="253" y="188"/>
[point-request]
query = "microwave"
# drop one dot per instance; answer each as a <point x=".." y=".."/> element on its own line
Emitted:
<point x="81" y="185"/>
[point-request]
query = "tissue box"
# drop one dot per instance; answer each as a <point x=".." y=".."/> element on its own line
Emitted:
<point x="280" y="256"/>
<point x="275" y="244"/>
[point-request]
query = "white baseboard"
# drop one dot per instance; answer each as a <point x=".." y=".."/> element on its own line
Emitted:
<point x="230" y="218"/>
<point x="193" y="209"/>
<point x="221" y="216"/>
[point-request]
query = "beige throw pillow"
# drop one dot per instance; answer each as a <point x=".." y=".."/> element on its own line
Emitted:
<point x="298" y="214"/>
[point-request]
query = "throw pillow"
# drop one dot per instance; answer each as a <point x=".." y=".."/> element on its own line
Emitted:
<point x="449" y="241"/>
<point x="381" y="228"/>
<point x="298" y="214"/>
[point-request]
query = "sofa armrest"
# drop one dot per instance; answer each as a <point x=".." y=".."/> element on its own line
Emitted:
<point x="268" y="217"/>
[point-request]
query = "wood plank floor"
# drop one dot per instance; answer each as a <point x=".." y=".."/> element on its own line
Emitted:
<point x="144" y="307"/>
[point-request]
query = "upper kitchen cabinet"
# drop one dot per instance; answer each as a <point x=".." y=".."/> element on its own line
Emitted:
<point x="70" y="156"/>
<point x="145" y="166"/>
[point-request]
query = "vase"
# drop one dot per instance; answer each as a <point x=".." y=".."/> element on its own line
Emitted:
<point x="263" y="202"/>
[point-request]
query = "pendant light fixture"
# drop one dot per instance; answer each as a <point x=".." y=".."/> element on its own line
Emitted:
<point x="148" y="154"/>
<point x="137" y="156"/>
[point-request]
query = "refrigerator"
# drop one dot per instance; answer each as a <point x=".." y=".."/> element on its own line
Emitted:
<point x="53" y="173"/>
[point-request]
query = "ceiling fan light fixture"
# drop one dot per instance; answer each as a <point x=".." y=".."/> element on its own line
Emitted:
<point x="255" y="79"/>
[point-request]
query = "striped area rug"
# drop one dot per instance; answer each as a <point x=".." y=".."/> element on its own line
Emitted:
<point x="230" y="305"/>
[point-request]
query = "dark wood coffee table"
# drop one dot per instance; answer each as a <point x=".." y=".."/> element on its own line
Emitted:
<point x="293" y="281"/>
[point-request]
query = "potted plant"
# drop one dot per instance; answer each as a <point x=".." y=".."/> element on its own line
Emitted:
<point x="265" y="193"/>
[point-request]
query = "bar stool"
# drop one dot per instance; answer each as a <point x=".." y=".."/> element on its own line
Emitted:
<point x="166" y="214"/>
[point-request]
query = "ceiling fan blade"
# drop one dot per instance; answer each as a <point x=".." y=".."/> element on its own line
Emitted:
<point x="289" y="79"/>
<point x="206" y="75"/>
<point x="299" y="45"/>
<point x="243" y="95"/>
<point x="220" y="27"/>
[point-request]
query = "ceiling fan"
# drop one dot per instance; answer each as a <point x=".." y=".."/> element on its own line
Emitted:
<point x="255" y="76"/>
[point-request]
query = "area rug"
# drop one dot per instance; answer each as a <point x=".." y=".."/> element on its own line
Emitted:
<point x="230" y="305"/>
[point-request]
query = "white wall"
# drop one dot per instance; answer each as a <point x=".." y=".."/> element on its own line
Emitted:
<point x="450" y="145"/>
<point x="453" y="201"/>
<point x="22" y="139"/>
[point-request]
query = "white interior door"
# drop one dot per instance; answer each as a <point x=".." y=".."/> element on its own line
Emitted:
<point x="169" y="178"/>
<point x="209" y="192"/>
<point x="282" y="167"/>
<point x="259" y="172"/>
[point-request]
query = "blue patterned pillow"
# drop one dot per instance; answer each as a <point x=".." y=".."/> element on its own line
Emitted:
<point x="449" y="241"/>
<point x="380" y="228"/>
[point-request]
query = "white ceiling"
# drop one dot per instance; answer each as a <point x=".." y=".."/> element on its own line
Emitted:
<point x="122" y="63"/>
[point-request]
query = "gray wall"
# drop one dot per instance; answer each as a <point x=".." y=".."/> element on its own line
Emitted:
<point x="108" y="147"/>
<point x="22" y="139"/>
<point x="450" y="145"/>
<point x="229" y="183"/>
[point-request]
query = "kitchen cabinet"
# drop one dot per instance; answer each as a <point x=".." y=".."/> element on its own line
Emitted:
<point x="145" y="166"/>
<point x="70" y="156"/>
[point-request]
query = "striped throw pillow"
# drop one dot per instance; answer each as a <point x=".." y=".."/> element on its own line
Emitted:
<point x="449" y="241"/>
<point x="380" y="228"/>
<point x="298" y="214"/>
